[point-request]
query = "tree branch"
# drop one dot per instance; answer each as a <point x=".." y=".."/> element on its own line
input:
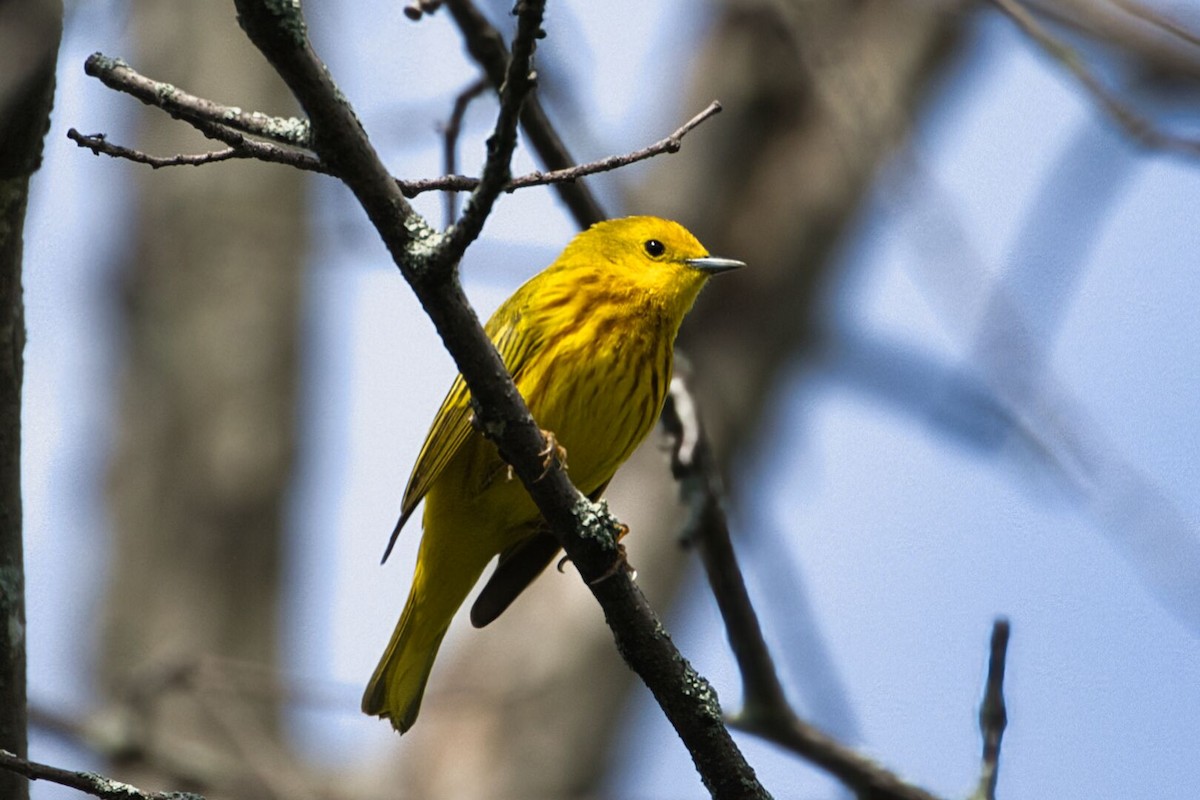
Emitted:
<point x="239" y="147"/>
<point x="519" y="79"/>
<point x="670" y="144"/>
<point x="993" y="716"/>
<point x="1136" y="126"/>
<point x="98" y="143"/>
<point x="486" y="46"/>
<point x="25" y="107"/>
<point x="450" y="143"/>
<point x="119" y="76"/>
<point x="88" y="782"/>
<point x="766" y="711"/>
<point x="213" y="120"/>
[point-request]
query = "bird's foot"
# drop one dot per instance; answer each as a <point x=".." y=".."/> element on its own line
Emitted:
<point x="620" y="564"/>
<point x="621" y="561"/>
<point x="551" y="453"/>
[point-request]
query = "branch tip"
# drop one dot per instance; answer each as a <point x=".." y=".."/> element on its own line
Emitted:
<point x="993" y="714"/>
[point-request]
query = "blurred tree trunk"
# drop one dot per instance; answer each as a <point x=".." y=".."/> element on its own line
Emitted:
<point x="29" y="37"/>
<point x="205" y="438"/>
<point x="816" y="94"/>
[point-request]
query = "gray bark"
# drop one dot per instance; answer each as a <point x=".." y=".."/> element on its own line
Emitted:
<point x="29" y="37"/>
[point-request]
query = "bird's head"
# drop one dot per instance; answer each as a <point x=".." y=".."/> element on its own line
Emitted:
<point x="648" y="258"/>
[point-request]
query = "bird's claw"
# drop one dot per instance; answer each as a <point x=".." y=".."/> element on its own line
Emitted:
<point x="551" y="453"/>
<point x="620" y="564"/>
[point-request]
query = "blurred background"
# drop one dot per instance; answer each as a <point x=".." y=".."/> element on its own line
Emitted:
<point x="958" y="380"/>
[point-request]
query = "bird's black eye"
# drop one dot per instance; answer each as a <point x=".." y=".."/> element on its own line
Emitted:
<point x="654" y="248"/>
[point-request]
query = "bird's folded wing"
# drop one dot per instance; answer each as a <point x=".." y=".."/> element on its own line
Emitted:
<point x="452" y="425"/>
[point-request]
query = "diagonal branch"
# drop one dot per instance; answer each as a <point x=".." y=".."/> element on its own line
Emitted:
<point x="766" y="711"/>
<point x="1136" y="126"/>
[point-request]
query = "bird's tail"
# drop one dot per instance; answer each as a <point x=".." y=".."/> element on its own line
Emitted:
<point x="440" y="584"/>
<point x="395" y="690"/>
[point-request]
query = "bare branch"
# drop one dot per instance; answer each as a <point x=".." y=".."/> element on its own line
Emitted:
<point x="116" y="74"/>
<point x="450" y="134"/>
<point x="766" y="711"/>
<point x="1138" y="127"/>
<point x="87" y="782"/>
<point x="242" y="148"/>
<point x="99" y="144"/>
<point x="519" y="80"/>
<point x="486" y="46"/>
<point x="671" y="144"/>
<point x="993" y="716"/>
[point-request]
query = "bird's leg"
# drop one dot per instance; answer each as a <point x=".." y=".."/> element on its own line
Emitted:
<point x="553" y="451"/>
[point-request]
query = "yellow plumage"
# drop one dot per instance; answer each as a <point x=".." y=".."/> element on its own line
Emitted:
<point x="589" y="344"/>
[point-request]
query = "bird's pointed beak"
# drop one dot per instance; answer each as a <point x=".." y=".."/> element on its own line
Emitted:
<point x="713" y="265"/>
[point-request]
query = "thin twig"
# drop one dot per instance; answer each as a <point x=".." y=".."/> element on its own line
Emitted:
<point x="519" y="80"/>
<point x="218" y="122"/>
<point x="670" y="144"/>
<point x="993" y="716"/>
<point x="116" y="74"/>
<point x="88" y="782"/>
<point x="1134" y="124"/>
<point x="450" y="145"/>
<point x="486" y="46"/>
<point x="239" y="147"/>
<point x="99" y="144"/>
<point x="707" y="529"/>
<point x="766" y="711"/>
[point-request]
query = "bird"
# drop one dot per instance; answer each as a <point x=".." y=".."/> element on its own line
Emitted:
<point x="589" y="343"/>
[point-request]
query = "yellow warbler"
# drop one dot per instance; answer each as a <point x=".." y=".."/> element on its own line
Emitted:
<point x="589" y="343"/>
